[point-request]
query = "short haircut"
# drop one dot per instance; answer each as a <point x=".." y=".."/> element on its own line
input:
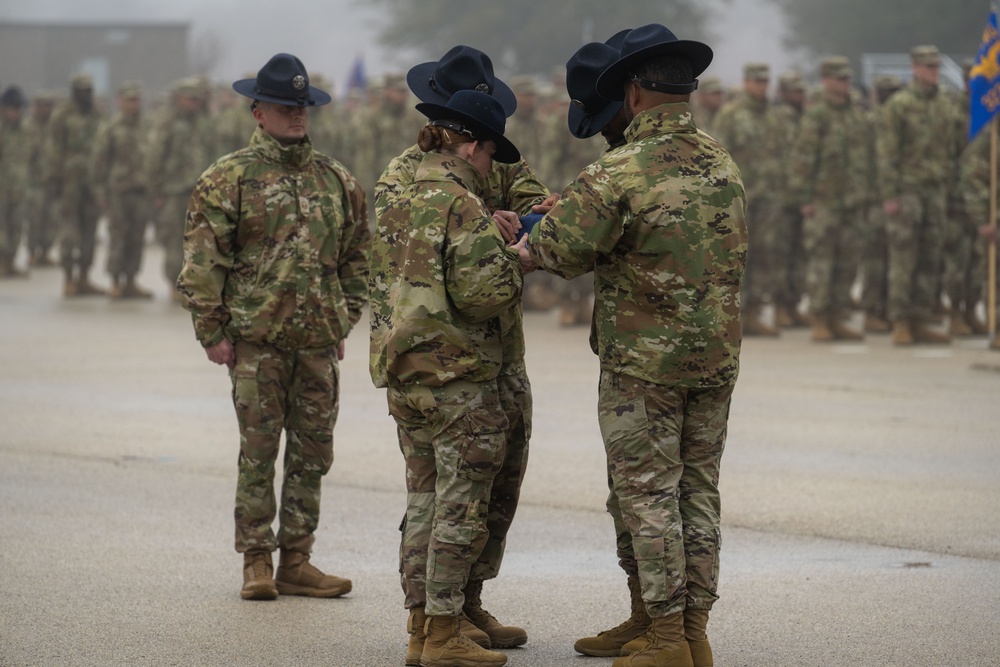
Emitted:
<point x="665" y="69"/>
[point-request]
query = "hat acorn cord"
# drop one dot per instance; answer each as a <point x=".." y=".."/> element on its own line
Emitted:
<point x="650" y="41"/>
<point x="477" y="113"/>
<point x="461" y="68"/>
<point x="283" y="80"/>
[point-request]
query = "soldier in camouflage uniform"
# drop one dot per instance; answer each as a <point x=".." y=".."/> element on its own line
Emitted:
<point x="828" y="180"/>
<point x="917" y="151"/>
<point x="511" y="190"/>
<point x="15" y="147"/>
<point x="707" y="102"/>
<point x="178" y="153"/>
<point x="275" y="276"/>
<point x="442" y="289"/>
<point x="752" y="132"/>
<point x="874" y="246"/>
<point x="67" y="157"/>
<point x="38" y="204"/>
<point x="117" y="169"/>
<point x="974" y="184"/>
<point x="663" y="220"/>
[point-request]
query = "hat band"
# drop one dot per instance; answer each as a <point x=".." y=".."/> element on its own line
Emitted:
<point x="669" y="88"/>
<point x="301" y="99"/>
<point x="481" y="87"/>
<point x="453" y="126"/>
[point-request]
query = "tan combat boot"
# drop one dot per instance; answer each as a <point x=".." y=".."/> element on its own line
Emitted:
<point x="876" y="324"/>
<point x="468" y="628"/>
<point x="754" y="326"/>
<point x="501" y="636"/>
<point x="922" y="333"/>
<point x="957" y="325"/>
<point x="788" y="317"/>
<point x="86" y="288"/>
<point x="666" y="646"/>
<point x="445" y="646"/>
<point x="821" y="332"/>
<point x="843" y="332"/>
<point x="258" y="581"/>
<point x="901" y="333"/>
<point x="133" y="291"/>
<point x="609" y="643"/>
<point x="297" y="576"/>
<point x="995" y="342"/>
<point x="695" y="624"/>
<point x="415" y="628"/>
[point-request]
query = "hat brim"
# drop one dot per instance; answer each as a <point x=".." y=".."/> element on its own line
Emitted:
<point x="506" y="151"/>
<point x="248" y="88"/>
<point x="419" y="77"/>
<point x="583" y="125"/>
<point x="611" y="83"/>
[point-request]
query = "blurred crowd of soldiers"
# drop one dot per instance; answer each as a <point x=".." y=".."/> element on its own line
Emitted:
<point x="819" y="163"/>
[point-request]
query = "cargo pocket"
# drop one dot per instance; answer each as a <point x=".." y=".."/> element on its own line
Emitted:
<point x="246" y="394"/>
<point x="482" y="451"/>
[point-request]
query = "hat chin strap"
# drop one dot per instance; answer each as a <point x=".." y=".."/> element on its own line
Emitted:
<point x="668" y="88"/>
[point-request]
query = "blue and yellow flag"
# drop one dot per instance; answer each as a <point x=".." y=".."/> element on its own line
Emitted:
<point x="984" y="79"/>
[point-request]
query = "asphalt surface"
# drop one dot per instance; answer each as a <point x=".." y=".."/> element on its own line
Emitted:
<point x="861" y="502"/>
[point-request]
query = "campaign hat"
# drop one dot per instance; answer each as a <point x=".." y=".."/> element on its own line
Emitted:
<point x="589" y="112"/>
<point x="647" y="42"/>
<point x="477" y="113"/>
<point x="462" y="68"/>
<point x="283" y="80"/>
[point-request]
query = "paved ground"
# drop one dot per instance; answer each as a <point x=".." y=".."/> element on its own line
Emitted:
<point x="861" y="495"/>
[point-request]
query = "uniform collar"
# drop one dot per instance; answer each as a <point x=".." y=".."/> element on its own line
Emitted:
<point x="662" y="119"/>
<point x="268" y="148"/>
<point x="440" y="167"/>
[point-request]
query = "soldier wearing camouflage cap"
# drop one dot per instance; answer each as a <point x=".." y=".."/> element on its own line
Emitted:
<point x="918" y="147"/>
<point x="275" y="274"/>
<point x="708" y="100"/>
<point x="15" y="145"/>
<point x="661" y="222"/>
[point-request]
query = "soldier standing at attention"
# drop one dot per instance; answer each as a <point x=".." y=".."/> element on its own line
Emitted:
<point x="38" y="204"/>
<point x="511" y="190"/>
<point x="442" y="279"/>
<point x="67" y="158"/>
<point x="15" y="148"/>
<point x="275" y="276"/>
<point x="661" y="221"/>
<point x="917" y="153"/>
<point x="178" y="153"/>
<point x="117" y="170"/>
<point x="708" y="100"/>
<point x="828" y="180"/>
<point x="751" y="131"/>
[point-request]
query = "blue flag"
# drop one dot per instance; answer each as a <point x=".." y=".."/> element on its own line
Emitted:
<point x="984" y="79"/>
<point x="356" y="80"/>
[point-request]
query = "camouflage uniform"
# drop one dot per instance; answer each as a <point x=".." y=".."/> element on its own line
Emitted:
<point x="668" y="248"/>
<point x="442" y="289"/>
<point x="974" y="184"/>
<point x="509" y="187"/>
<point x="917" y="151"/>
<point x="276" y="260"/>
<point x="704" y="115"/>
<point x="71" y="133"/>
<point x="752" y="133"/>
<point x="179" y="152"/>
<point x="38" y="203"/>
<point x="15" y="149"/>
<point x="792" y="254"/>
<point x="828" y="169"/>
<point x="119" y="181"/>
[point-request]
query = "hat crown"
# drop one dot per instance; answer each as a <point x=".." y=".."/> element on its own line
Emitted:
<point x="282" y="80"/>
<point x="582" y="71"/>
<point x="463" y="68"/>
<point x="478" y="112"/>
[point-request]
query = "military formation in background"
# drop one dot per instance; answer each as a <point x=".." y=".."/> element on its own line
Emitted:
<point x="857" y="202"/>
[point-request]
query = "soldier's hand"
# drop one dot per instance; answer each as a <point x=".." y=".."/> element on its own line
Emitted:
<point x="222" y="354"/>
<point x="508" y="223"/>
<point x="340" y="351"/>
<point x="546" y="205"/>
<point x="527" y="264"/>
<point x="891" y="207"/>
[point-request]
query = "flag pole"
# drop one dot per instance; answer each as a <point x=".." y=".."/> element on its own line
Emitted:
<point x="991" y="286"/>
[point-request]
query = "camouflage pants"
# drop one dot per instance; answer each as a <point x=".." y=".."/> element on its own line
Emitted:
<point x="964" y="261"/>
<point x="78" y="215"/>
<point x="452" y="440"/>
<point x="11" y="224"/>
<point x="170" y="231"/>
<point x="515" y="400"/>
<point x="127" y="220"/>
<point x="295" y="391"/>
<point x="764" y="280"/>
<point x="41" y="230"/>
<point x="875" y="264"/>
<point x="915" y="237"/>
<point x="831" y="243"/>
<point x="792" y="258"/>
<point x="664" y="447"/>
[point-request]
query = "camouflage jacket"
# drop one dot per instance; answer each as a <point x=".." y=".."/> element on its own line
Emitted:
<point x="117" y="162"/>
<point x="752" y="132"/>
<point x="178" y="153"/>
<point x="71" y="133"/>
<point x="275" y="248"/>
<point x="917" y="142"/>
<point x="15" y="156"/>
<point x="509" y="187"/>
<point x="663" y="218"/>
<point x="829" y="161"/>
<point x="974" y="179"/>
<point x="441" y="279"/>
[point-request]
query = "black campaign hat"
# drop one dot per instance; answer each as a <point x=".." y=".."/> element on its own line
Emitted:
<point x="283" y="80"/>
<point x="476" y="113"/>
<point x="646" y="42"/>
<point x="462" y="68"/>
<point x="588" y="111"/>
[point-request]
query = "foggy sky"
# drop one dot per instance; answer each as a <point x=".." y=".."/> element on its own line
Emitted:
<point x="329" y="34"/>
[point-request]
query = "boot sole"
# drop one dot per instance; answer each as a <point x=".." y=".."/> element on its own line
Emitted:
<point x="260" y="593"/>
<point x="459" y="662"/>
<point x="598" y="653"/>
<point x="295" y="589"/>
<point x="520" y="640"/>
